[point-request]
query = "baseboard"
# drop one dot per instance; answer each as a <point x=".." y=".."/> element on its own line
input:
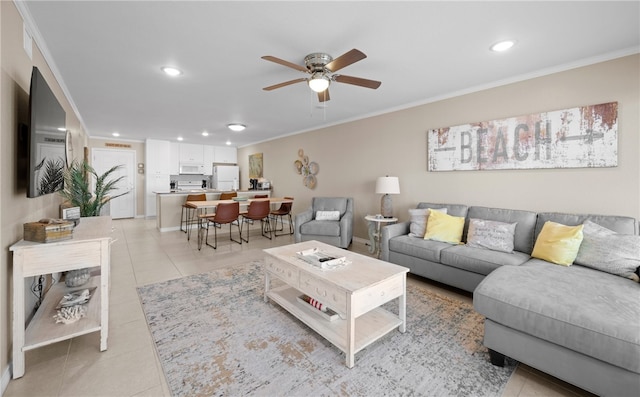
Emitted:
<point x="6" y="377"/>
<point x="364" y="241"/>
<point x="169" y="229"/>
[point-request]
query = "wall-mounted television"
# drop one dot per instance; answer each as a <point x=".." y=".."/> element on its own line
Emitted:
<point x="46" y="138"/>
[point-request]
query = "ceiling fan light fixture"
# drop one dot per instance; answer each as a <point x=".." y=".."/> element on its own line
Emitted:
<point x="236" y="127"/>
<point x="318" y="82"/>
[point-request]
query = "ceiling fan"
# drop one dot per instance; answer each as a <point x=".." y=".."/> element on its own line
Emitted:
<point x="322" y="68"/>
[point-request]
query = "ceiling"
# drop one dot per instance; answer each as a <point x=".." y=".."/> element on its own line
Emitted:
<point x="108" y="56"/>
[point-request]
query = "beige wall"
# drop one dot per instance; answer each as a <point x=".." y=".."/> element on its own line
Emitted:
<point x="351" y="156"/>
<point x="16" y="208"/>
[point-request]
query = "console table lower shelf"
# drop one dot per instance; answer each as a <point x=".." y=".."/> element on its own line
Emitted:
<point x="369" y="327"/>
<point x="43" y="330"/>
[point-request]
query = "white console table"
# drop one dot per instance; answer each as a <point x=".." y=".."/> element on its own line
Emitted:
<point x="89" y="247"/>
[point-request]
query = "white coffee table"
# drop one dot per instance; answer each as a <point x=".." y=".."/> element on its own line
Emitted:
<point x="355" y="291"/>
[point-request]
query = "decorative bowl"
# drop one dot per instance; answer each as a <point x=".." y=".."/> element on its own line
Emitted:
<point x="76" y="278"/>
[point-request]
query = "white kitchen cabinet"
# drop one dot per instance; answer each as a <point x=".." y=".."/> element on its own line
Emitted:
<point x="157" y="152"/>
<point x="191" y="153"/>
<point x="157" y="173"/>
<point x="226" y="155"/>
<point x="174" y="158"/>
<point x="208" y="159"/>
<point x="155" y="183"/>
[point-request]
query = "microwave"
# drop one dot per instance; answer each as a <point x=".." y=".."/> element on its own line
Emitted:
<point x="191" y="169"/>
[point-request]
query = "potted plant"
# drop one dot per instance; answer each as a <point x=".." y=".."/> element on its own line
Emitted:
<point x="77" y="188"/>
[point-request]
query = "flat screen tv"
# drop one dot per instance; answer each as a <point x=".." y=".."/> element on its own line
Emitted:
<point x="46" y="138"/>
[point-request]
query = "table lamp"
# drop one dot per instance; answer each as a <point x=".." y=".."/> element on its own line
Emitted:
<point x="387" y="185"/>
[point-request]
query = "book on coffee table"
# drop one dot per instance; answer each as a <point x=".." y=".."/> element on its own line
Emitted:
<point x="320" y="308"/>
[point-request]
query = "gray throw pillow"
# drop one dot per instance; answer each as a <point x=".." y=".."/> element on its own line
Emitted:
<point x="327" y="215"/>
<point x="607" y="251"/>
<point x="493" y="235"/>
<point x="418" y="218"/>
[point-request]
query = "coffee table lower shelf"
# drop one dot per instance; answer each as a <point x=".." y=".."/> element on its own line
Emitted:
<point x="369" y="327"/>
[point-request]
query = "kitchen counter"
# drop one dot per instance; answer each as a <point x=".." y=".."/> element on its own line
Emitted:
<point x="192" y="191"/>
<point x="169" y="204"/>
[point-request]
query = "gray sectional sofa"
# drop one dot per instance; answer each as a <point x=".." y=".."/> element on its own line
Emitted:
<point x="576" y="323"/>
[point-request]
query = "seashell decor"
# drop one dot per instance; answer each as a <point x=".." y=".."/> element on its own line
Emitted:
<point x="307" y="169"/>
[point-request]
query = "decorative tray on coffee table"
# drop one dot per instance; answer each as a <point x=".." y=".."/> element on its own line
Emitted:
<point x="321" y="259"/>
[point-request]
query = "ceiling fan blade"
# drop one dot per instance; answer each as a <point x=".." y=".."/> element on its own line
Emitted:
<point x="286" y="63"/>
<point x="357" y="81"/>
<point x="286" y="83"/>
<point x="345" y="59"/>
<point x="323" y="96"/>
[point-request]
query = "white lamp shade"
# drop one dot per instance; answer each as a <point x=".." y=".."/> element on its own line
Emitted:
<point x="388" y="185"/>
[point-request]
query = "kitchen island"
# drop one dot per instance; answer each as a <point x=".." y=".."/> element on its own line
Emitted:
<point x="169" y="204"/>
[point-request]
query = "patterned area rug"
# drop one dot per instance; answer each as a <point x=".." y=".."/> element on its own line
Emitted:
<point x="215" y="336"/>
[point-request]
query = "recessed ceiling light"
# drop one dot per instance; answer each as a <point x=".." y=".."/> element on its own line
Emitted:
<point x="205" y="133"/>
<point x="180" y="138"/>
<point x="62" y="129"/>
<point x="228" y="143"/>
<point x="502" y="45"/>
<point x="236" y="127"/>
<point x="171" y="71"/>
<point x="116" y="134"/>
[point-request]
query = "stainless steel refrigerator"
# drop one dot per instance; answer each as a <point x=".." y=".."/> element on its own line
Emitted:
<point x="226" y="177"/>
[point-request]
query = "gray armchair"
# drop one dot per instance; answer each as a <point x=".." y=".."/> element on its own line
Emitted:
<point x="335" y="232"/>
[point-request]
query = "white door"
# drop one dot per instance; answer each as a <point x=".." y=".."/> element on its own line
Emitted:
<point x="102" y="161"/>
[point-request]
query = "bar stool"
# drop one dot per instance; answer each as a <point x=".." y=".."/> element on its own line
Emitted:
<point x="228" y="195"/>
<point x="188" y="211"/>
<point x="261" y="196"/>
<point x="284" y="210"/>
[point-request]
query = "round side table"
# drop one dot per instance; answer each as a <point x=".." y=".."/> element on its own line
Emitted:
<point x="375" y="225"/>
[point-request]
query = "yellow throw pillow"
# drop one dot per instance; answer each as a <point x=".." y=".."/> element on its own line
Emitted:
<point x="443" y="227"/>
<point x="558" y="243"/>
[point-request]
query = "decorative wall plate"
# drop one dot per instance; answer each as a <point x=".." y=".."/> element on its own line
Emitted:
<point x="307" y="169"/>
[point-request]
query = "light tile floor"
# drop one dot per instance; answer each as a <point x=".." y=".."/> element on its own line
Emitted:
<point x="142" y="255"/>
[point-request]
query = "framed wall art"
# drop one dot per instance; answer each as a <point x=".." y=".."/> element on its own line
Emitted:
<point x="255" y="166"/>
<point x="579" y="137"/>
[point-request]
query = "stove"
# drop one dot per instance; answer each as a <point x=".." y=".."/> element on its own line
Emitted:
<point x="189" y="185"/>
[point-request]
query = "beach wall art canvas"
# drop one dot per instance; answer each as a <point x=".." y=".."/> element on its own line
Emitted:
<point x="580" y="137"/>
